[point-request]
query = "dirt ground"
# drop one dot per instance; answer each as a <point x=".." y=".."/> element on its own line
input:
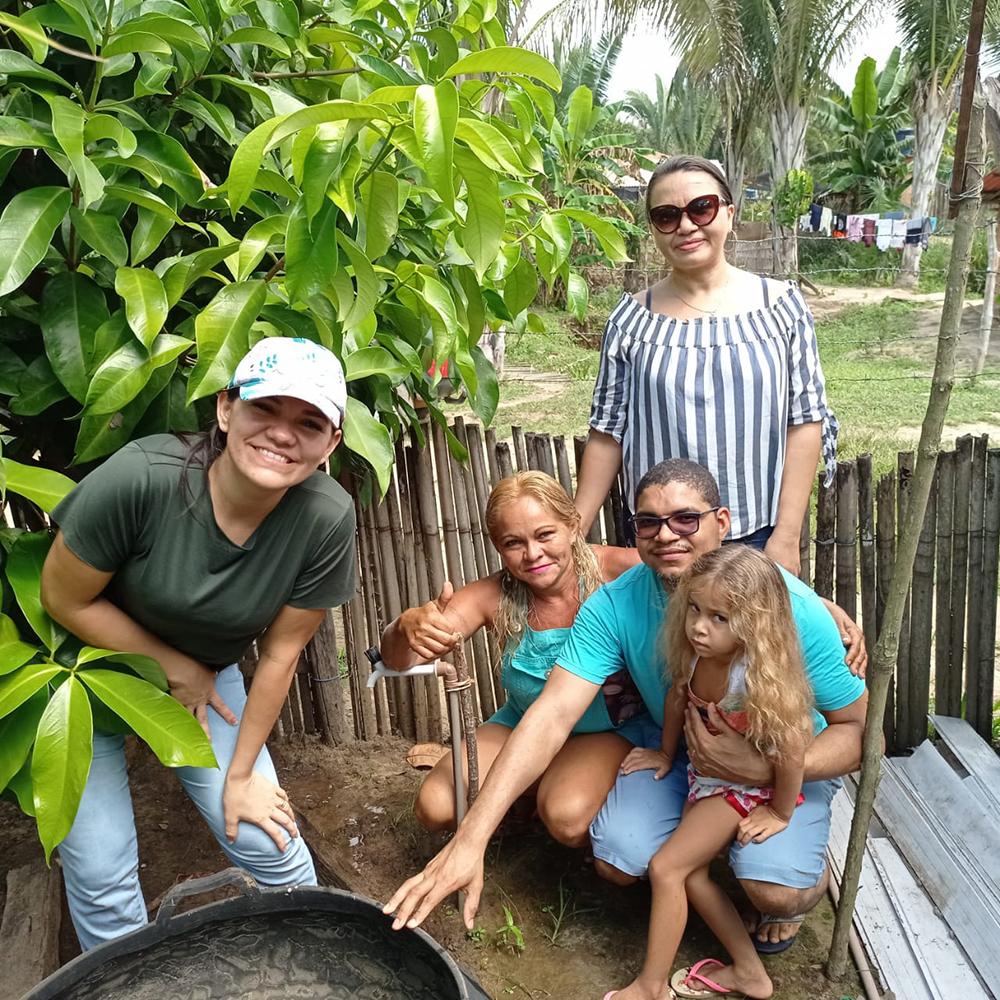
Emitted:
<point x="581" y="937"/>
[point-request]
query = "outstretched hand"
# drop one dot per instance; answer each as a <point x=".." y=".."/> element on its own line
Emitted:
<point x="427" y="630"/>
<point x="456" y="867"/>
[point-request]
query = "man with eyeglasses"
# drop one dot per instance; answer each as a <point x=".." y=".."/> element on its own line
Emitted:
<point x="678" y="517"/>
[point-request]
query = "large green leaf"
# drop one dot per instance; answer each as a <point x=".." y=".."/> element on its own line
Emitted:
<point x="17" y="733"/>
<point x="864" y="97"/>
<point x="123" y="375"/>
<point x="20" y="785"/>
<point x="145" y="666"/>
<point x="441" y="310"/>
<point x="508" y="60"/>
<point x="171" y="731"/>
<point x="577" y="295"/>
<point x="491" y="146"/>
<point x="373" y="361"/>
<point x="435" y="115"/>
<point x="558" y="229"/>
<point x="73" y="308"/>
<point x="311" y="257"/>
<point x="484" y="217"/>
<point x="67" y="126"/>
<point x="380" y="201"/>
<point x="580" y="114"/>
<point x="145" y="301"/>
<point x="60" y="762"/>
<point x="257" y="36"/>
<point x="246" y="161"/>
<point x="222" y="331"/>
<point x="16" y="64"/>
<point x="173" y="162"/>
<point x="183" y="272"/>
<point x="102" y="232"/>
<point x="487" y="395"/>
<point x="37" y="389"/>
<point x="26" y="227"/>
<point x="18" y="687"/>
<point x="13" y="652"/>
<point x="24" y="573"/>
<point x="607" y="235"/>
<point x="102" y="434"/>
<point x="259" y="237"/>
<point x="44" y="487"/>
<point x="149" y="232"/>
<point x="520" y="287"/>
<point x="16" y="133"/>
<point x="366" y="437"/>
<point x="365" y="282"/>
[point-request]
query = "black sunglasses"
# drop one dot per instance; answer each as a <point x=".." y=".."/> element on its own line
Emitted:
<point x="701" y="211"/>
<point x="685" y="522"/>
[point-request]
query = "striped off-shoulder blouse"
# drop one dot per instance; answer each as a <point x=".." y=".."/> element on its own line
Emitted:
<point x="719" y="390"/>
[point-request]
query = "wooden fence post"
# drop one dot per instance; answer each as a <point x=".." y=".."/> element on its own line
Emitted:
<point x="952" y="704"/>
<point x="988" y="614"/>
<point x="885" y="544"/>
<point x="866" y="541"/>
<point x="826" y="517"/>
<point x="973" y="599"/>
<point x="921" y="617"/>
<point x="847" y="535"/>
<point x="942" y="597"/>
<point x="904" y="467"/>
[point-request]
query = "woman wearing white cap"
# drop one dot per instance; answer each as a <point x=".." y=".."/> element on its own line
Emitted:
<point x="186" y="549"/>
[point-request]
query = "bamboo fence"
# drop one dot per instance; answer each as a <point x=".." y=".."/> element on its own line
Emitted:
<point x="429" y="527"/>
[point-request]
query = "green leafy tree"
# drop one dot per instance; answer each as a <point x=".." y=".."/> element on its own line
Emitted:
<point x="180" y="178"/>
<point x="866" y="161"/>
<point x="183" y="178"/>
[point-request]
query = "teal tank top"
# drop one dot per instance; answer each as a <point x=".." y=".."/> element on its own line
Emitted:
<point x="524" y="672"/>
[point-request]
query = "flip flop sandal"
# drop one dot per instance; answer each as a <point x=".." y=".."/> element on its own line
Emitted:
<point x="614" y="993"/>
<point x="775" y="947"/>
<point x="692" y="984"/>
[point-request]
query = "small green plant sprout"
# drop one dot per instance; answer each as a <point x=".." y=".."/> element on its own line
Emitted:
<point x="509" y="937"/>
<point x="478" y="935"/>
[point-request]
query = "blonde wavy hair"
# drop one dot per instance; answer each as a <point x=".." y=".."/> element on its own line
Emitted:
<point x="779" y="697"/>
<point x="511" y="618"/>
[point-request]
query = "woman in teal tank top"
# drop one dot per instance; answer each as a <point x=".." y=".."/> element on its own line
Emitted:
<point x="549" y="570"/>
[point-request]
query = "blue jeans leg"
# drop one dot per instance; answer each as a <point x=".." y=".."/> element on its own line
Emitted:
<point x="100" y="855"/>
<point x="253" y="849"/>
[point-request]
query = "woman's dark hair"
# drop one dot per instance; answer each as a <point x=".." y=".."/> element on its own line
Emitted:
<point x="202" y="450"/>
<point x="684" y="164"/>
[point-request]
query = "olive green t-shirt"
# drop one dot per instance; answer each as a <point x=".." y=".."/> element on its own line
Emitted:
<point x="179" y="576"/>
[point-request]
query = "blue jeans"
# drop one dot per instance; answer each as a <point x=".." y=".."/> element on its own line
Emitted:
<point x="100" y="856"/>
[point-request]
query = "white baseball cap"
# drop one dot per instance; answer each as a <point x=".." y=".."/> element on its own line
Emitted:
<point x="292" y="366"/>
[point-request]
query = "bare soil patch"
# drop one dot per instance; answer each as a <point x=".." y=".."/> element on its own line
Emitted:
<point x="581" y="936"/>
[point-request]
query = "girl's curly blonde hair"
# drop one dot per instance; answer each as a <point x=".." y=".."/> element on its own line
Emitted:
<point x="779" y="697"/>
<point x="511" y="618"/>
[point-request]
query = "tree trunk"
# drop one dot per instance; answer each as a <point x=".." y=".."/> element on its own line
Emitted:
<point x="734" y="145"/>
<point x="989" y="295"/>
<point x="880" y="670"/>
<point x="931" y="111"/>
<point x="788" y="150"/>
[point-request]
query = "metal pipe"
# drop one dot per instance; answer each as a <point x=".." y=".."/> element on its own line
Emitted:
<point x="455" y="724"/>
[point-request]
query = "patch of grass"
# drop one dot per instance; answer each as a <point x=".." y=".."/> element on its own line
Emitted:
<point x="876" y="393"/>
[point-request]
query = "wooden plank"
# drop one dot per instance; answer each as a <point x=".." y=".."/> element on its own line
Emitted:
<point x="943" y="963"/>
<point x="945" y="488"/>
<point x="957" y="811"/>
<point x="974" y="596"/>
<point x="846" y="574"/>
<point x="962" y="904"/>
<point x="594" y="532"/>
<point x="875" y="917"/>
<point x="989" y="582"/>
<point x="29" y="934"/>
<point x="904" y="468"/>
<point x="826" y="519"/>
<point x="972" y="752"/>
<point x="885" y="555"/>
<point x="866" y="543"/>
<point x="922" y="610"/>
<point x="949" y="702"/>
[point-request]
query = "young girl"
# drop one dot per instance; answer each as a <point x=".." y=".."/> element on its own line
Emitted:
<point x="730" y="640"/>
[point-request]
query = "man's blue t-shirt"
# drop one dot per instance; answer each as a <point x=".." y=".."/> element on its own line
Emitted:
<point x="619" y="626"/>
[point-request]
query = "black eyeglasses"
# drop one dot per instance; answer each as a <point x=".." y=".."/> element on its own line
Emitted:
<point x="685" y="522"/>
<point x="701" y="211"/>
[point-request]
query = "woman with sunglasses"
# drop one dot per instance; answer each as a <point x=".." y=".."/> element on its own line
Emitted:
<point x="712" y="364"/>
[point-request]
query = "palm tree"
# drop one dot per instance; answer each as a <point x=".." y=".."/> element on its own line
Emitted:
<point x="588" y="64"/>
<point x="684" y="118"/>
<point x="770" y="56"/>
<point x="934" y="34"/>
